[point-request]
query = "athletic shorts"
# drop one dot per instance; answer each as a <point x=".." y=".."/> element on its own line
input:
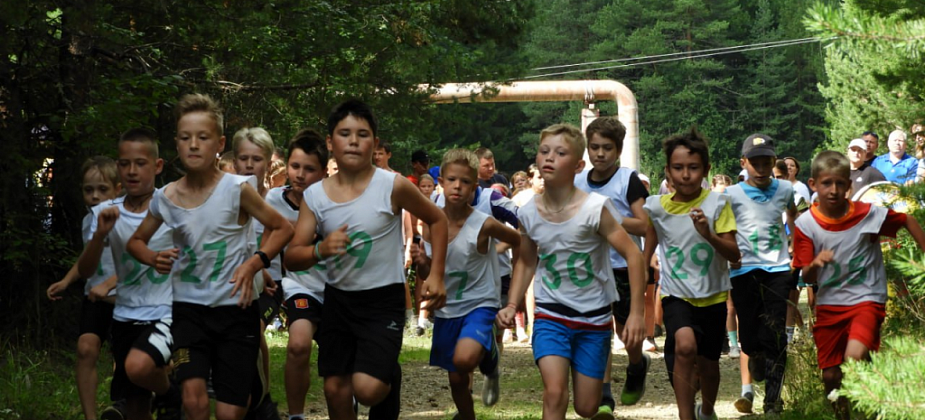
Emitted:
<point x="708" y="323"/>
<point x="586" y="349"/>
<point x="621" y="308"/>
<point x="505" y="284"/>
<point x="303" y="306"/>
<point x="221" y="341"/>
<point x="269" y="305"/>
<point x="835" y="325"/>
<point x="361" y="331"/>
<point x="96" y="318"/>
<point x="477" y="325"/>
<point x="151" y="337"/>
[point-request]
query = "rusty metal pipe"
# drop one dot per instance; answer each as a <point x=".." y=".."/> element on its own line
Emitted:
<point x="554" y="90"/>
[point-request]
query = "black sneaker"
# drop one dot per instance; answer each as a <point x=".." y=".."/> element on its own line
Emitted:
<point x="419" y="331"/>
<point x="114" y="412"/>
<point x="635" y="386"/>
<point x="168" y="406"/>
<point x="744" y="403"/>
<point x="756" y="366"/>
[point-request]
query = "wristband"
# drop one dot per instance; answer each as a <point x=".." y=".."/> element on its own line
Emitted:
<point x="512" y="305"/>
<point x="263" y="257"/>
<point x="318" y="252"/>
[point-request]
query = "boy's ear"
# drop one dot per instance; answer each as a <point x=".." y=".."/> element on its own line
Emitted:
<point x="327" y="141"/>
<point x="580" y="167"/>
<point x="221" y="143"/>
<point x="375" y="143"/>
<point x="742" y="161"/>
<point x="812" y="184"/>
<point x="158" y="166"/>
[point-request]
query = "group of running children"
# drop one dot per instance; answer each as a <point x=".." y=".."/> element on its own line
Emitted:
<point x="178" y="271"/>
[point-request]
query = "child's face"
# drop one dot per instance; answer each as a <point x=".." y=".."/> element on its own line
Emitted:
<point x="228" y="167"/>
<point x="304" y="170"/>
<point x="96" y="188"/>
<point x="426" y="186"/>
<point x="759" y="170"/>
<point x="791" y="168"/>
<point x="138" y="167"/>
<point x="832" y="189"/>
<point x="557" y="161"/>
<point x="381" y="158"/>
<point x="458" y="183"/>
<point x="352" y="143"/>
<point x="685" y="171"/>
<point x="719" y="186"/>
<point x="778" y="174"/>
<point x="519" y="182"/>
<point x="332" y="167"/>
<point x="249" y="160"/>
<point x="198" y="142"/>
<point x="602" y="152"/>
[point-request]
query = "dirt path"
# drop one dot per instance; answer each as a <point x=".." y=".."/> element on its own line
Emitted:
<point x="426" y="395"/>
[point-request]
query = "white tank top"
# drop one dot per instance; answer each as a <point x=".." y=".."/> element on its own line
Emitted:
<point x="144" y="294"/>
<point x="106" y="267"/>
<point x="375" y="256"/>
<point x="760" y="234"/>
<point x="212" y="244"/>
<point x="311" y="281"/>
<point x="471" y="278"/>
<point x="574" y="265"/>
<point x="691" y="267"/>
<point x="483" y="205"/>
<point x="857" y="274"/>
<point x="615" y="190"/>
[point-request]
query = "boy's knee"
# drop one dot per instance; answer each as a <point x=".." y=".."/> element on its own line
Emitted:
<point x="465" y="362"/>
<point x="832" y="377"/>
<point x="298" y="350"/>
<point x="336" y="390"/>
<point x="685" y="348"/>
<point x="88" y="347"/>
<point x="195" y="404"/>
<point x="138" y="366"/>
<point x="556" y="396"/>
<point x="586" y="410"/>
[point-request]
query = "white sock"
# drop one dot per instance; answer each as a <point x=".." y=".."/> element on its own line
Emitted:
<point x="296" y="417"/>
<point x="747" y="388"/>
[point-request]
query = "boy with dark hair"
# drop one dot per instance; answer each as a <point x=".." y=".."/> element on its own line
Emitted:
<point x="382" y="155"/>
<point x="694" y="229"/>
<point x="141" y="339"/>
<point x="836" y="245"/>
<point x="358" y="213"/>
<point x="626" y="192"/>
<point x="761" y="281"/>
<point x="419" y="162"/>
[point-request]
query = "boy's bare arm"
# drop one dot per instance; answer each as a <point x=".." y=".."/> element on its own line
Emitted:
<point x="406" y="196"/>
<point x="301" y="254"/>
<point x="915" y="230"/>
<point x="522" y="274"/>
<point x="648" y="251"/>
<point x="137" y="247"/>
<point x="277" y="233"/>
<point x="637" y="224"/>
<point x="101" y="291"/>
<point x="811" y="272"/>
<point x="635" y="330"/>
<point x="54" y="291"/>
<point x="90" y="257"/>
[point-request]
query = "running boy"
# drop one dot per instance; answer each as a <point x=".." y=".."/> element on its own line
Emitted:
<point x="836" y="245"/>
<point x="761" y="283"/>
<point x="141" y="340"/>
<point x="358" y="212"/>
<point x="694" y="229"/>
<point x="303" y="290"/>
<point x="100" y="183"/>
<point x="569" y="230"/>
<point x="215" y="326"/>
<point x="627" y="194"/>
<point x="464" y="329"/>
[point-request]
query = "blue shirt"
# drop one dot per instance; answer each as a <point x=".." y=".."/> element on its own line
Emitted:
<point x="899" y="172"/>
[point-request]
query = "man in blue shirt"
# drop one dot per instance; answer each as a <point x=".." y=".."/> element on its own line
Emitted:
<point x="897" y="165"/>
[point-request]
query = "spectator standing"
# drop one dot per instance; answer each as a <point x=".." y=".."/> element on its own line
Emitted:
<point x="487" y="173"/>
<point x="873" y="143"/>
<point x="419" y="162"/>
<point x="897" y="165"/>
<point x="793" y="169"/>
<point x="862" y="174"/>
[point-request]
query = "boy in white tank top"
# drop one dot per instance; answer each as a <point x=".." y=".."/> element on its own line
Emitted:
<point x="694" y="229"/>
<point x="215" y="324"/>
<point x="141" y="339"/>
<point x="626" y="192"/>
<point x="837" y="245"/>
<point x="358" y="213"/>
<point x="761" y="283"/>
<point x="565" y="237"/>
<point x="303" y="291"/>
<point x="463" y="331"/>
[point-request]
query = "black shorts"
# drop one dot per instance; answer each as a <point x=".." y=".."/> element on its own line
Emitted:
<point x="269" y="305"/>
<point x="621" y="308"/>
<point x="223" y="342"/>
<point x="708" y="323"/>
<point x="303" y="306"/>
<point x="96" y="318"/>
<point x="761" y="299"/>
<point x="505" y="284"/>
<point x="151" y="337"/>
<point x="361" y="331"/>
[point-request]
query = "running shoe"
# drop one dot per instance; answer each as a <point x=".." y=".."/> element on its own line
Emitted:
<point x="635" y="386"/>
<point x="744" y="403"/>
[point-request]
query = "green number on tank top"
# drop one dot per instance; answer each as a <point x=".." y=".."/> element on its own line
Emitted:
<point x="857" y="272"/>
<point x="360" y="246"/>
<point x="187" y="275"/>
<point x="99" y="269"/>
<point x="259" y="240"/>
<point x="774" y="242"/>
<point x="834" y="280"/>
<point x="221" y="247"/>
<point x="551" y="269"/>
<point x="132" y="276"/>
<point x="155" y="278"/>
<point x="703" y="263"/>
<point x="573" y="272"/>
<point x="463" y="279"/>
<point x="753" y="238"/>
<point x="676" y="272"/>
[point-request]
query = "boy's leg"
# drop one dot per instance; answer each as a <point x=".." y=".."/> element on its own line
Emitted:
<point x="304" y="317"/>
<point x="638" y="368"/>
<point x="772" y="334"/>
<point x="338" y="394"/>
<point x="88" y="353"/>
<point x="685" y="357"/>
<point x="195" y="399"/>
<point x="466" y="358"/>
<point x="337" y="346"/>
<point x="462" y="397"/>
<point x="236" y="347"/>
<point x="552" y="351"/>
<point x="590" y="351"/>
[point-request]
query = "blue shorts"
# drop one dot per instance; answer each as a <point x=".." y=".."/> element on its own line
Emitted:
<point x="586" y="349"/>
<point x="476" y="325"/>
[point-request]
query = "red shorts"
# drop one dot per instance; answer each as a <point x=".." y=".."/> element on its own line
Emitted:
<point x="835" y="325"/>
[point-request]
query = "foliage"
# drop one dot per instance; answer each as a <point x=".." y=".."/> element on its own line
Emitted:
<point x="890" y="384"/>
<point x="875" y="81"/>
